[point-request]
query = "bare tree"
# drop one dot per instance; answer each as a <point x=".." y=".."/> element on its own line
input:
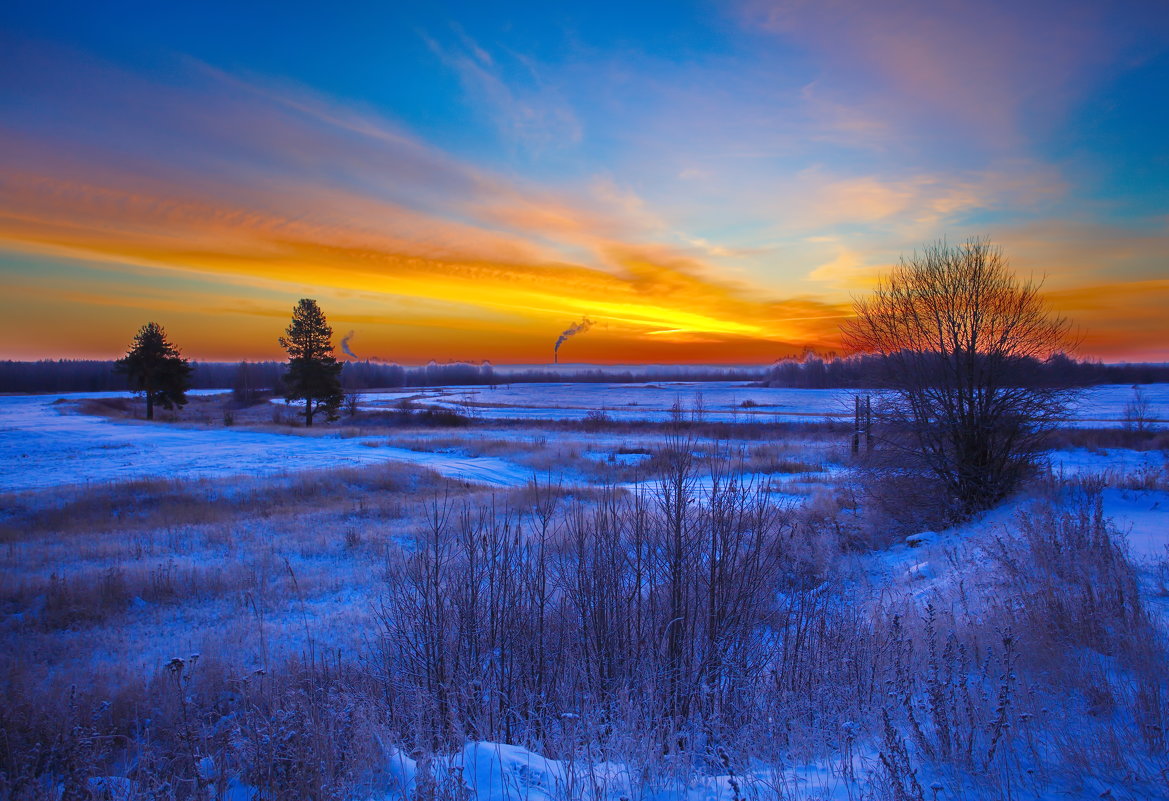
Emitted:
<point x="1137" y="412"/>
<point x="959" y="336"/>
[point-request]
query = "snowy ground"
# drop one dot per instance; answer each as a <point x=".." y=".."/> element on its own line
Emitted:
<point x="711" y="401"/>
<point x="44" y="444"/>
<point x="254" y="584"/>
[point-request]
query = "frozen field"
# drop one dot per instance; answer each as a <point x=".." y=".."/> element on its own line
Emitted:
<point x="711" y="401"/>
<point x="44" y="443"/>
<point x="286" y="600"/>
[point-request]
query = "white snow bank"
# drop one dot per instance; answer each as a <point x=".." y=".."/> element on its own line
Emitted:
<point x="501" y="772"/>
<point x="1084" y="461"/>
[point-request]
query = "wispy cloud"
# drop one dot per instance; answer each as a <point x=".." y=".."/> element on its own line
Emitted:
<point x="981" y="68"/>
<point x="733" y="199"/>
<point x="465" y="237"/>
<point x="510" y="88"/>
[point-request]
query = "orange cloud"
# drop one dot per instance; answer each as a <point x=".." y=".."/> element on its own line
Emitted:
<point x="1119" y="320"/>
<point x="241" y="189"/>
<point x="231" y="190"/>
<point x="335" y="241"/>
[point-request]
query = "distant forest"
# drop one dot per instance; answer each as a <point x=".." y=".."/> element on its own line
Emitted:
<point x="808" y="372"/>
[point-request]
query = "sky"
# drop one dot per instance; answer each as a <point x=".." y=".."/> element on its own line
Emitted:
<point x="706" y="182"/>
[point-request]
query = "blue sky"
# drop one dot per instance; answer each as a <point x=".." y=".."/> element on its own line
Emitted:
<point x="455" y="180"/>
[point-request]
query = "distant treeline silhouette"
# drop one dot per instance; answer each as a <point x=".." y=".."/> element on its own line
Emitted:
<point x="813" y="372"/>
<point x="808" y="372"/>
<point x="92" y="375"/>
<point x="80" y="375"/>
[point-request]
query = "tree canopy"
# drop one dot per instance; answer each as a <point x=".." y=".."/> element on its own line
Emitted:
<point x="155" y="368"/>
<point x="956" y="332"/>
<point x="314" y="375"/>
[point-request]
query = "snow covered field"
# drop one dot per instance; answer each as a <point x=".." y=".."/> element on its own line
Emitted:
<point x="712" y="401"/>
<point x="44" y="443"/>
<point x="277" y="621"/>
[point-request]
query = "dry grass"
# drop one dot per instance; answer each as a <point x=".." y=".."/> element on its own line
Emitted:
<point x="340" y="614"/>
<point x="1099" y="439"/>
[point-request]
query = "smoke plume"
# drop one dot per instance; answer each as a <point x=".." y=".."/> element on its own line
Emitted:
<point x="345" y="346"/>
<point x="576" y="328"/>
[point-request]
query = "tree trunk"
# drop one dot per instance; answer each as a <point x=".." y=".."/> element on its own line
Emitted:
<point x="308" y="412"/>
<point x="149" y="398"/>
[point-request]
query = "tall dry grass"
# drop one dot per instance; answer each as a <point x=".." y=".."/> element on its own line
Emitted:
<point x="695" y="627"/>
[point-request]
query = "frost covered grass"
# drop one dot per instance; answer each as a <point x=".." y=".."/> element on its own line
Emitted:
<point x="646" y="618"/>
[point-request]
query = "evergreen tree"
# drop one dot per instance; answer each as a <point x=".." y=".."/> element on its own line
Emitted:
<point x="155" y="368"/>
<point x="314" y="375"/>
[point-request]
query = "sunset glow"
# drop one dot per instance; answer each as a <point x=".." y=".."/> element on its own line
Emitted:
<point x="706" y="182"/>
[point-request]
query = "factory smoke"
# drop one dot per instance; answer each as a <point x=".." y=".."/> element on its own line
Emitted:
<point x="345" y="346"/>
<point x="576" y="328"/>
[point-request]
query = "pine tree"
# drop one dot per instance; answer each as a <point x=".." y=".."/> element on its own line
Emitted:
<point x="313" y="373"/>
<point x="155" y="368"/>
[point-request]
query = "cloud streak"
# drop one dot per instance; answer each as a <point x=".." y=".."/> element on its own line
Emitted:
<point x="729" y="201"/>
<point x="395" y="219"/>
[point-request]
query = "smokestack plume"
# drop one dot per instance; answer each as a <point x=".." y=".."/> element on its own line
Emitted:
<point x="345" y="346"/>
<point x="576" y="328"/>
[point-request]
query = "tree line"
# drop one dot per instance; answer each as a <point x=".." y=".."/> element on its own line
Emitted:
<point x="861" y="371"/>
<point x="810" y="371"/>
<point x="90" y="375"/>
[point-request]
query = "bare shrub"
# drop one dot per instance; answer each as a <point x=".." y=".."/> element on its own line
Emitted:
<point x="352" y="403"/>
<point x="596" y="420"/>
<point x="899" y="497"/>
<point x="1138" y="415"/>
<point x="1069" y="579"/>
<point x="649" y="603"/>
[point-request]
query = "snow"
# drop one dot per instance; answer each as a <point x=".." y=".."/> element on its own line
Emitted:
<point x="1071" y="462"/>
<point x="1104" y="405"/>
<point x="501" y="772"/>
<point x="722" y="401"/>
<point x="43" y="445"/>
<point x="1142" y="516"/>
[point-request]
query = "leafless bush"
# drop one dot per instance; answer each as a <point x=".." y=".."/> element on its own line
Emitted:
<point x="497" y="624"/>
<point x="596" y="420"/>
<point x="352" y="403"/>
<point x="692" y="627"/>
<point x="1138" y="415"/>
<point x="900" y="496"/>
<point x="958" y="336"/>
<point x="1069" y="580"/>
